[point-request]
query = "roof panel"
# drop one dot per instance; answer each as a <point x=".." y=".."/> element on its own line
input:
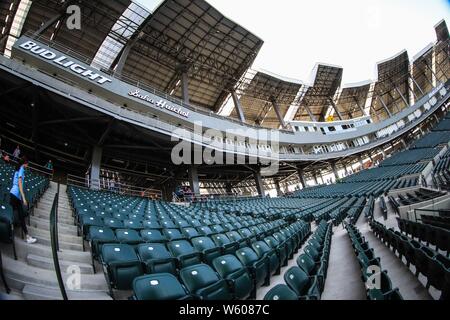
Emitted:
<point x="194" y="35"/>
<point x="317" y="98"/>
<point x="351" y="100"/>
<point x="98" y="17"/>
<point x="441" y="31"/>
<point x="257" y="92"/>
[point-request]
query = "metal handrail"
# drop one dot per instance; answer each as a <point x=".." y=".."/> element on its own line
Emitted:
<point x="2" y="275"/>
<point x="120" y="188"/>
<point x="55" y="243"/>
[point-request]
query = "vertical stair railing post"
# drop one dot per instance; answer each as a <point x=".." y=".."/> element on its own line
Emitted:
<point x="55" y="245"/>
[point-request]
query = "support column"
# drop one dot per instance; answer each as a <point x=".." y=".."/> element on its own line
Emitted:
<point x="238" y="106"/>
<point x="359" y="106"/>
<point x="278" y="112"/>
<point x="361" y="162"/>
<point x="259" y="183"/>
<point x="335" y="171"/>
<point x="229" y="188"/>
<point x="315" y="179"/>
<point x="301" y="177"/>
<point x="384" y="106"/>
<point x="308" y="110"/>
<point x="404" y="143"/>
<point x="185" y="85"/>
<point x="277" y="187"/>
<point x="95" y="167"/>
<point x="383" y="153"/>
<point x="402" y="96"/>
<point x="336" y="109"/>
<point x="193" y="180"/>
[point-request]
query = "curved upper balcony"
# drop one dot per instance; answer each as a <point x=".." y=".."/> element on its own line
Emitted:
<point x="137" y="103"/>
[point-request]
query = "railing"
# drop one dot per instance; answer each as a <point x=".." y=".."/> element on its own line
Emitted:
<point x="55" y="243"/>
<point x="5" y="284"/>
<point x="32" y="165"/>
<point x="119" y="188"/>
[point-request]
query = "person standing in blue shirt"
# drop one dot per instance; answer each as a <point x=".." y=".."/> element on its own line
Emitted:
<point x="18" y="199"/>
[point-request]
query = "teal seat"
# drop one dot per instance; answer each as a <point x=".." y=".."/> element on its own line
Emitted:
<point x="121" y="264"/>
<point x="152" y="236"/>
<point x="207" y="248"/>
<point x="232" y="270"/>
<point x="257" y="267"/>
<point x="263" y="250"/>
<point x="161" y="286"/>
<point x="186" y="254"/>
<point x="280" y="292"/>
<point x="156" y="258"/>
<point x="306" y="287"/>
<point x="311" y="268"/>
<point x="128" y="236"/>
<point x="205" y="284"/>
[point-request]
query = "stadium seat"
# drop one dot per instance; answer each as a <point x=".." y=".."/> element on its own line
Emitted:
<point x="281" y="292"/>
<point x="128" y="236"/>
<point x="263" y="250"/>
<point x="232" y="270"/>
<point x="204" y="283"/>
<point x="153" y="236"/>
<point x="306" y="287"/>
<point x="186" y="254"/>
<point x="121" y="264"/>
<point x="161" y="286"/>
<point x="257" y="267"/>
<point x="207" y="248"/>
<point x="156" y="258"/>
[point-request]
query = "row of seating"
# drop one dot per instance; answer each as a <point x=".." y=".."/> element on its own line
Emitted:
<point x="418" y="196"/>
<point x="429" y="234"/>
<point x="263" y="257"/>
<point x="411" y="157"/>
<point x="434" y="266"/>
<point x="306" y="281"/>
<point x="371" y="268"/>
<point x="441" y="222"/>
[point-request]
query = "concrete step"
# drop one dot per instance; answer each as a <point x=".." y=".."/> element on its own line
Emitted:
<point x="47" y="263"/>
<point x="36" y="232"/>
<point x="13" y="295"/>
<point x="34" y="292"/>
<point x="62" y="244"/>
<point x="18" y="274"/>
<point x="48" y="209"/>
<point x="24" y="249"/>
<point x="44" y="224"/>
<point x="62" y="220"/>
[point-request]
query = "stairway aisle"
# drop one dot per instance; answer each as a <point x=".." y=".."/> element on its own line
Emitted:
<point x="410" y="287"/>
<point x="344" y="276"/>
<point x="32" y="276"/>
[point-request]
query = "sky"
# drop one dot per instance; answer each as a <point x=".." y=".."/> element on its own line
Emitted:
<point x="353" y="34"/>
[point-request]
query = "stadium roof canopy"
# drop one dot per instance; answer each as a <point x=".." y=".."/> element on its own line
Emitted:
<point x="319" y="97"/>
<point x="391" y="90"/>
<point x="190" y="36"/>
<point x="180" y="36"/>
<point x="352" y="100"/>
<point x="261" y="92"/>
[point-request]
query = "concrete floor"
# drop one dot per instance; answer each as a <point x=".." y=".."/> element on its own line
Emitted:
<point x="344" y="275"/>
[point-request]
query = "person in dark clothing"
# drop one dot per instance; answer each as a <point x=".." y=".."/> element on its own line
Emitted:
<point x="17" y="197"/>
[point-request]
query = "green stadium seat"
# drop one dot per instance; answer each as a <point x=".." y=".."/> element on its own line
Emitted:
<point x="121" y="265"/>
<point x="281" y="292"/>
<point x="232" y="270"/>
<point x="156" y="258"/>
<point x="204" y="283"/>
<point x="306" y="287"/>
<point x="162" y="286"/>
<point x="186" y="254"/>
<point x="207" y="248"/>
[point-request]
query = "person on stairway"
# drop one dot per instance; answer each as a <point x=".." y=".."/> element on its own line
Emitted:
<point x="17" y="197"/>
